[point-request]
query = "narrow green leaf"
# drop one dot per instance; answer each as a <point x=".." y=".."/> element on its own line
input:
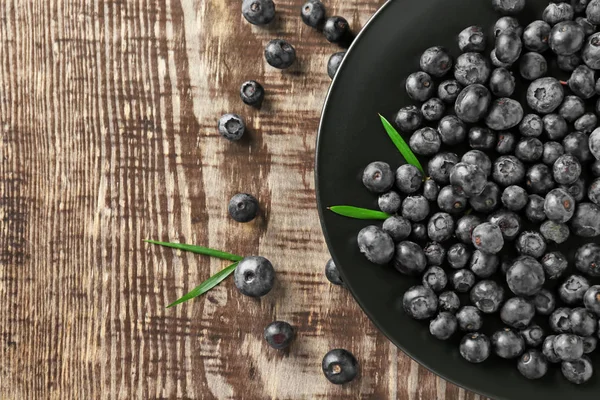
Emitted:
<point x="359" y="213"/>
<point x="206" y="285"/>
<point x="404" y="149"/>
<point x="198" y="250"/>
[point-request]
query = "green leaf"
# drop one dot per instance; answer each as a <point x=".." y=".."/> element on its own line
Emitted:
<point x="198" y="250"/>
<point x="206" y="285"/>
<point x="406" y="152"/>
<point x="358" y="213"/>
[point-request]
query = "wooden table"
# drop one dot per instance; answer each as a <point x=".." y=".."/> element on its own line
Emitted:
<point x="108" y="115"/>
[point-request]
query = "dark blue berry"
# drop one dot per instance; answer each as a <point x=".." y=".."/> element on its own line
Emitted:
<point x="517" y="312"/>
<point x="594" y="143"/>
<point x="449" y="90"/>
<point x="583" y="322"/>
<point x="576" y="189"/>
<point x="572" y="290"/>
<point x="475" y="347"/>
<point x="471" y="39"/>
<point x="508" y="170"/>
<point x="559" y="206"/>
<point x="568" y="63"/>
<point x="536" y="36"/>
<point x="487" y="201"/>
<point x="531" y="125"/>
<point x="435" y="254"/>
<point x="572" y="108"/>
<point x="525" y="277"/>
<point x="389" y="202"/>
<point x="436" y="61"/>
<point x="482" y="138"/>
<point x="507" y="24"/>
<point x="252" y="93"/>
<point x="415" y="208"/>
<point x="435" y="279"/>
<point x="544" y="95"/>
<point x="433" y="109"/>
<point x="508" y="7"/>
<point x="566" y="169"/>
<point x="254" y="276"/>
<point x="487" y="296"/>
<point x="313" y="13"/>
<point x="473" y="102"/>
<point x="508" y="47"/>
<point x="431" y="190"/>
<point x="595" y="168"/>
<point x="555" y="232"/>
<point x="558" y="12"/>
<point x="530" y="243"/>
<point x="462" y="280"/>
<point x="534" y="210"/>
<point x="409" y="118"/>
<point x="449" y="302"/>
<point x="539" y="179"/>
<point x="502" y="82"/>
<point x="552" y="150"/>
<point x="479" y="158"/>
<point x="397" y="227"/>
<point x="508" y="221"/>
<point x="258" y="12"/>
<point x="332" y="273"/>
<point x="579" y="6"/>
<point x="544" y="302"/>
<point x="443" y="326"/>
<point x="419" y="232"/>
<point x="577" y="371"/>
<point x="472" y="68"/>
<point x="243" y="207"/>
<point x="506" y="143"/>
<point x="458" y="255"/>
<point x="592" y="11"/>
<point x="440" y="166"/>
<point x="587" y="259"/>
<point x="469" y="319"/>
<point x="451" y="200"/>
<point x="589" y="344"/>
<point x="555" y="126"/>
<point x="588" y="27"/>
<point x="568" y="347"/>
<point x="419" y="86"/>
<point x="279" y="334"/>
<point x="514" y="198"/>
<point x="591" y="51"/>
<point x="566" y="38"/>
<point x="465" y="226"/>
<point x="548" y="349"/>
<point x="376" y="245"/>
<point x="420" y="302"/>
<point x="231" y="127"/>
<point x="440" y="227"/>
<point x="508" y="343"/>
<point x="280" y="54"/>
<point x="554" y="264"/>
<point x="560" y="321"/>
<point x="483" y="264"/>
<point x="586" y="123"/>
<point x="452" y="130"/>
<point x="334" y="63"/>
<point x="503" y="114"/>
<point x="582" y="82"/>
<point x="529" y="149"/>
<point x="336" y="29"/>
<point x="532" y="364"/>
<point x="488" y="238"/>
<point x="339" y="366"/>
<point x="409" y="258"/>
<point x="591" y="299"/>
<point x="378" y="177"/>
<point x="586" y="221"/>
<point x="468" y="179"/>
<point x="497" y="63"/>
<point x="533" y="335"/>
<point x="533" y="66"/>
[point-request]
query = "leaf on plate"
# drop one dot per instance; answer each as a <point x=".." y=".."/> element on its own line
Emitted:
<point x="359" y="213"/>
<point x="206" y="285"/>
<point x="198" y="250"/>
<point x="402" y="146"/>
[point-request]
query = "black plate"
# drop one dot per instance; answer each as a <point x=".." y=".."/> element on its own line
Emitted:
<point x="371" y="81"/>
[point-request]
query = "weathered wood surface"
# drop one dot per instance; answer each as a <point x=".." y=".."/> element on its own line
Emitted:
<point x="107" y="115"/>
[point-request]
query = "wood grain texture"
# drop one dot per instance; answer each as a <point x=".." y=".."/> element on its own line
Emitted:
<point x="108" y="113"/>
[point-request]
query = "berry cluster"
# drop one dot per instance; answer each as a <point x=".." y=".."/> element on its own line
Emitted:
<point x="482" y="230"/>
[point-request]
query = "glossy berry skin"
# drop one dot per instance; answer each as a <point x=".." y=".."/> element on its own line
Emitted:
<point x="579" y="6"/>
<point x="471" y="39"/>
<point x="531" y="243"/>
<point x="525" y="277"/>
<point x="577" y="371"/>
<point x="529" y="149"/>
<point x="334" y="63"/>
<point x="440" y="227"/>
<point x="378" y="177"/>
<point x="568" y="347"/>
<point x="431" y="190"/>
<point x="571" y="108"/>
<point x="435" y="279"/>
<point x="583" y="322"/>
<point x="409" y="258"/>
<point x="508" y="221"/>
<point x="254" y="276"/>
<point x="449" y="302"/>
<point x="458" y="255"/>
<point x="517" y="312"/>
<point x="472" y="68"/>
<point x="419" y="232"/>
<point x="591" y="51"/>
<point x="440" y="166"/>
<point x="506" y="143"/>
<point x="576" y="144"/>
<point x="449" y="90"/>
<point x="508" y="344"/>
<point x="531" y="125"/>
<point x="589" y="344"/>
<point x="533" y="335"/>
<point x="595" y="169"/>
<point x="339" y="366"/>
<point x="566" y="38"/>
<point x="473" y="102"/>
<point x="280" y="54"/>
<point x="548" y="349"/>
<point x="576" y="189"/>
<point x="592" y="11"/>
<point x="435" y="254"/>
<point x="586" y="221"/>
<point x="252" y="93"/>
<point x="415" y="208"/>
<point x="588" y="27"/>
<point x="279" y="334"/>
<point x="469" y="319"/>
<point x="552" y="150"/>
<point x="591" y="299"/>
<point x="451" y="201"/>
<point x="231" y="127"/>
<point x="397" y="227"/>
<point x="538" y="179"/>
<point x="544" y="302"/>
<point x="594" y="143"/>
<point x="443" y="326"/>
<point x="587" y="259"/>
<point x="508" y="47"/>
<point x="436" y="61"/>
<point x="507" y="24"/>
<point x="582" y="82"/>
<point x="389" y="202"/>
<point x="586" y="123"/>
<point x="559" y="206"/>
<point x="508" y="7"/>
<point x="475" y="347"/>
<point x="336" y="29"/>
<point x="478" y="158"/>
<point x="258" y="12"/>
<point x="514" y="198"/>
<point x="532" y="66"/>
<point x="243" y="207"/>
<point x="452" y="130"/>
<point x="433" y="109"/>
<point x="313" y="13"/>
<point x="566" y="169"/>
<point x="488" y="238"/>
<point x="568" y="63"/>
<point x="558" y="12"/>
<point x="534" y="210"/>
<point x="483" y="264"/>
<point x="465" y="226"/>
<point x="488" y="200"/>
<point x="408" y="119"/>
<point x="544" y="95"/>
<point x="572" y="290"/>
<point x="508" y="170"/>
<point x="554" y="264"/>
<point x="462" y="280"/>
<point x="532" y="364"/>
<point x="536" y="35"/>
<point x="487" y="296"/>
<point x="420" y="302"/>
<point x="482" y="138"/>
<point x="332" y="273"/>
<point x="560" y="320"/>
<point x="555" y="126"/>
<point x="502" y="82"/>
<point x="468" y="179"/>
<point x="497" y="63"/>
<point x="376" y="245"/>
<point x="419" y="86"/>
<point x="555" y="232"/>
<point x="504" y="114"/>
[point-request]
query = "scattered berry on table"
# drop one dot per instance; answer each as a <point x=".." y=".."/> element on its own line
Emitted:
<point x="252" y="93"/>
<point x="479" y="158"/>
<point x="231" y="127"/>
<point x="472" y="68"/>
<point x="576" y="144"/>
<point x="594" y="143"/>
<point x="572" y="290"/>
<point x="506" y="143"/>
<point x="508" y="47"/>
<point x="566" y="38"/>
<point x="279" y="334"/>
<point x="508" y="7"/>
<point x="589" y="344"/>
<point x="571" y="108"/>
<point x="334" y="63"/>
<point x="507" y="24"/>
<point x="508" y="170"/>
<point x="586" y="221"/>
<point x="531" y="125"/>
<point x="468" y="179"/>
<point x="532" y="364"/>
<point x="538" y="179"/>
<point x="559" y="206"/>
<point x="449" y="301"/>
<point x="254" y="276"/>
<point x="544" y="95"/>
<point x="475" y="347"/>
<point x="465" y="226"/>
<point x="576" y="189"/>
<point x="376" y="244"/>
<point x="258" y="12"/>
<point x="420" y="302"/>
<point x="558" y="12"/>
<point x="431" y="190"/>
<point x="568" y="63"/>
<point x="586" y="123"/>
<point x="280" y="54"/>
<point x="419" y="232"/>
<point x="243" y="207"/>
<point x="313" y="13"/>
<point x="529" y="149"/>
<point x="339" y="366"/>
<point x="555" y="126"/>
<point x="582" y="82"/>
<point x="591" y="51"/>
<point x="378" y="177"/>
<point x="504" y="114"/>
<point x="336" y="29"/>
<point x="488" y="238"/>
<point x="332" y="273"/>
<point x="397" y="227"/>
<point x="488" y="200"/>
<point x="443" y="325"/>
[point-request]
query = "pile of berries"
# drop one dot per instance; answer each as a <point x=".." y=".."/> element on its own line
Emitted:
<point x="482" y="230"/>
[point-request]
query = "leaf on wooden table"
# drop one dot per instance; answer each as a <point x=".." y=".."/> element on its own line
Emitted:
<point x="198" y="250"/>
<point x="206" y="285"/>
